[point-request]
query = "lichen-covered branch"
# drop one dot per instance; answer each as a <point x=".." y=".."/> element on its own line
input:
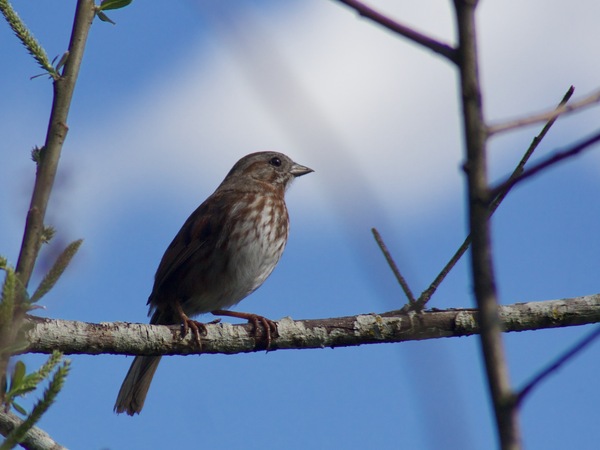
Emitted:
<point x="71" y="337"/>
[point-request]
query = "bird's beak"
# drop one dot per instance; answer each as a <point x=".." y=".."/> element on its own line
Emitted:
<point x="298" y="170"/>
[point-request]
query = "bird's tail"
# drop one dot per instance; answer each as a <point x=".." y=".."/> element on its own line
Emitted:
<point x="136" y="384"/>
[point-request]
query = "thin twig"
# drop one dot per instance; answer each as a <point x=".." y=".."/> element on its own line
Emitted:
<point x="436" y="46"/>
<point x="545" y="116"/>
<point x="426" y="295"/>
<point x="561" y="360"/>
<point x="394" y="267"/>
<point x="536" y="141"/>
<point x="550" y="161"/>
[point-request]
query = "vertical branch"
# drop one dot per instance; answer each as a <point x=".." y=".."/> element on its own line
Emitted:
<point x="55" y="137"/>
<point x="481" y="254"/>
<point x="47" y="165"/>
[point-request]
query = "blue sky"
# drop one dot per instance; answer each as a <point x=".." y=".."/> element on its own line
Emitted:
<point x="167" y="101"/>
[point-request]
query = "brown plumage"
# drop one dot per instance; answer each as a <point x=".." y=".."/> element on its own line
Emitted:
<point x="225" y="250"/>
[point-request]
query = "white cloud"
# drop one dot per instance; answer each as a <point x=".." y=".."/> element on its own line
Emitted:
<point x="375" y="116"/>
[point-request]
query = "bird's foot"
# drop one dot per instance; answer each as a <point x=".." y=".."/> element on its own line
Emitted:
<point x="191" y="324"/>
<point x="269" y="325"/>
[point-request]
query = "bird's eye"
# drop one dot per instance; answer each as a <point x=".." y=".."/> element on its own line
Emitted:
<point x="275" y="161"/>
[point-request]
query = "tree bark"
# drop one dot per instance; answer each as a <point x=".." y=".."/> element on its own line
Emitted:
<point x="71" y="337"/>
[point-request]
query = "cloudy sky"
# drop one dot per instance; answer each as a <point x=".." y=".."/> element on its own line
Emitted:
<point x="167" y="101"/>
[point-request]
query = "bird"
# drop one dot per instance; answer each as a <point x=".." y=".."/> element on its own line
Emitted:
<point x="224" y="251"/>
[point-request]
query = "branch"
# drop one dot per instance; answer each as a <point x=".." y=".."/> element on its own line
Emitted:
<point x="560" y="361"/>
<point x="438" y="47"/>
<point x="35" y="439"/>
<point x="555" y="158"/>
<point x="47" y="164"/>
<point x="546" y="115"/>
<point x="394" y="267"/>
<point x="482" y="269"/>
<point x="55" y="137"/>
<point x="501" y="193"/>
<point x="72" y="337"/>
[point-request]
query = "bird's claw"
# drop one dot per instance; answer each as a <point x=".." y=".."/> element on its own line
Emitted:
<point x="269" y="325"/>
<point x="196" y="327"/>
<point x="187" y="324"/>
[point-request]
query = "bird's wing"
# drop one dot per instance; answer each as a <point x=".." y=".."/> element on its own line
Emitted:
<point x="200" y="232"/>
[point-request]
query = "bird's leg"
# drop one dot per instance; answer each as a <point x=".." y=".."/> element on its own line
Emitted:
<point x="188" y="323"/>
<point x="269" y="325"/>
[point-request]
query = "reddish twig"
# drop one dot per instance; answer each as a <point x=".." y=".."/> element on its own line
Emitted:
<point x="545" y="116"/>
<point x="438" y="47"/>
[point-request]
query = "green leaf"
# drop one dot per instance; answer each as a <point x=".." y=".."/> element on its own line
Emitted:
<point x="22" y="384"/>
<point x="20" y="391"/>
<point x="19" y="409"/>
<point x="47" y="367"/>
<point x="56" y="384"/>
<point x="104" y="18"/>
<point x="7" y="298"/>
<point x="17" y="376"/>
<point x="56" y="271"/>
<point x="113" y="4"/>
<point x="31" y="381"/>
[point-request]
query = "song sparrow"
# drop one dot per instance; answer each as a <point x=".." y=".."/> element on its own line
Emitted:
<point x="225" y="250"/>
